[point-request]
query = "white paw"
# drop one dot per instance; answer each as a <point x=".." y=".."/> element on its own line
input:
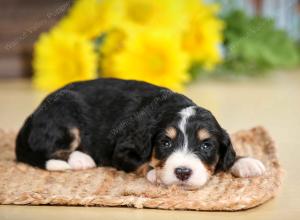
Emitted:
<point x="57" y="165"/>
<point x="248" y="167"/>
<point x="79" y="161"/>
<point x="151" y="176"/>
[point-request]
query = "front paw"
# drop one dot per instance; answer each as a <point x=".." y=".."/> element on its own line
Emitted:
<point x="248" y="167"/>
<point x="151" y="176"/>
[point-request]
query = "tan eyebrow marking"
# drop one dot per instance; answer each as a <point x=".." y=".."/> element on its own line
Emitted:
<point x="203" y="134"/>
<point x="171" y="132"/>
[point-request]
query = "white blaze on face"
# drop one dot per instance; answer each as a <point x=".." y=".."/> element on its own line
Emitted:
<point x="184" y="158"/>
<point x="185" y="114"/>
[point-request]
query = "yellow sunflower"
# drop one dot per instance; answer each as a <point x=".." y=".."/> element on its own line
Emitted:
<point x="154" y="57"/>
<point x="203" y="35"/>
<point x="60" y="58"/>
<point x="113" y="43"/>
<point x="90" y="18"/>
<point x="138" y="15"/>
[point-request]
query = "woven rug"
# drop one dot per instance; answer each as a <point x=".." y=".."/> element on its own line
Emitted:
<point x="22" y="184"/>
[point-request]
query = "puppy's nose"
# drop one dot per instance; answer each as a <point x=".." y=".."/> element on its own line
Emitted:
<point x="183" y="173"/>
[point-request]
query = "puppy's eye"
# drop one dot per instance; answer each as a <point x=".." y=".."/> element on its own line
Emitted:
<point x="166" y="143"/>
<point x="206" y="146"/>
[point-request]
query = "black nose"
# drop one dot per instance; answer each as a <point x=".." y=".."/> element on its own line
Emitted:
<point x="183" y="173"/>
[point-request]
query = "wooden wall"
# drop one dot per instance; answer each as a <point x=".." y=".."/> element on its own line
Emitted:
<point x="21" y="22"/>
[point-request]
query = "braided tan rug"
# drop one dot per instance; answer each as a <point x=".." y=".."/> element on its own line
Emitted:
<point x="21" y="184"/>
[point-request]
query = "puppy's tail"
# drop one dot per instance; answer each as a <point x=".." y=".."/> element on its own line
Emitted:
<point x="24" y="153"/>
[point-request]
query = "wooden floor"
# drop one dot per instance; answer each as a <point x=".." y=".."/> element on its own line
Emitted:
<point x="273" y="102"/>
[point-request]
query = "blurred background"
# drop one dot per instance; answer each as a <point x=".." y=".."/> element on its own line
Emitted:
<point x="252" y="35"/>
<point x="238" y="58"/>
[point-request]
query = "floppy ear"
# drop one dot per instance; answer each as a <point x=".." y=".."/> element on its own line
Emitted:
<point x="227" y="153"/>
<point x="132" y="147"/>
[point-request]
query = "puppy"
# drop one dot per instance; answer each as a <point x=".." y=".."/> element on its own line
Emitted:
<point x="132" y="126"/>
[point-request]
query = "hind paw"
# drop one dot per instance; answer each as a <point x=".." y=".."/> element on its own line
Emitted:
<point x="79" y="161"/>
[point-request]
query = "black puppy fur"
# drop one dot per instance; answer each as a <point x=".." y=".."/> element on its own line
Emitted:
<point x="122" y="124"/>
